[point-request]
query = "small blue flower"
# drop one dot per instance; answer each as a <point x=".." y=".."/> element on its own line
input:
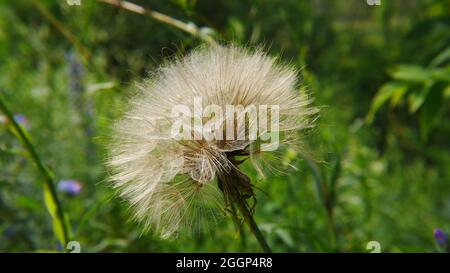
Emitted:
<point x="19" y="118"/>
<point x="440" y="237"/>
<point x="71" y="187"/>
<point x="22" y="121"/>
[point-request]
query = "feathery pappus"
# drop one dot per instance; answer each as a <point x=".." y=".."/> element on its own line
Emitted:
<point x="162" y="163"/>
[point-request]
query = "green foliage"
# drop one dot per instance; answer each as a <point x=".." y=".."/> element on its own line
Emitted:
<point x="426" y="88"/>
<point x="374" y="168"/>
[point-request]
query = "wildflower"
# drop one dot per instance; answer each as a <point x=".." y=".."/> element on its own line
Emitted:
<point x="440" y="237"/>
<point x="75" y="72"/>
<point x="71" y="187"/>
<point x="170" y="181"/>
<point x="19" y="118"/>
<point x="22" y="121"/>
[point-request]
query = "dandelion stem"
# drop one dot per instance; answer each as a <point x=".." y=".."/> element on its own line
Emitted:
<point x="243" y="206"/>
<point x="234" y="186"/>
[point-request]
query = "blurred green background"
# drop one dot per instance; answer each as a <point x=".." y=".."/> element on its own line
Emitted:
<point x="378" y="167"/>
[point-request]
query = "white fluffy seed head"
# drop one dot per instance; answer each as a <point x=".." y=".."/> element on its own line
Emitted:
<point x="169" y="182"/>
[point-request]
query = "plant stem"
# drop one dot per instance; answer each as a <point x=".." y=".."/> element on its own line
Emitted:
<point x="162" y="18"/>
<point x="232" y="184"/>
<point x="63" y="30"/>
<point x="49" y="183"/>
<point x="243" y="206"/>
<point x="324" y="197"/>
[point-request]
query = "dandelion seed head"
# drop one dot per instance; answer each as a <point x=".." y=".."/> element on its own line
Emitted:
<point x="169" y="182"/>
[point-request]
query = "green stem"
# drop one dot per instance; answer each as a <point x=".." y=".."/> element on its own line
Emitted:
<point x="243" y="207"/>
<point x="324" y="197"/>
<point x="233" y="185"/>
<point x="63" y="30"/>
<point x="49" y="183"/>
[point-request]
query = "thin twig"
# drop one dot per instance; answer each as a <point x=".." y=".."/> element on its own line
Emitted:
<point x="64" y="31"/>
<point x="162" y="18"/>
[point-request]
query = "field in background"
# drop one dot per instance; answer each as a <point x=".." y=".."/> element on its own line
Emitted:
<point x="377" y="166"/>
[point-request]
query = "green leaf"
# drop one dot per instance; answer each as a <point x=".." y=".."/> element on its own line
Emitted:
<point x="317" y="177"/>
<point x="54" y="207"/>
<point x="409" y="73"/>
<point x="389" y="90"/>
<point x="25" y="202"/>
<point x="441" y="74"/>
<point x="93" y="88"/>
<point x="397" y="96"/>
<point x="447" y="92"/>
<point x="431" y="110"/>
<point x="87" y="216"/>
<point x="441" y="58"/>
<point x="335" y="172"/>
<point x="285" y="237"/>
<point x="417" y="98"/>
<point x="58" y="228"/>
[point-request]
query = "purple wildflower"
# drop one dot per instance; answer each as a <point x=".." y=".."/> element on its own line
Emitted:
<point x="440" y="237"/>
<point x="22" y="121"/>
<point x="19" y="118"/>
<point x="71" y="187"/>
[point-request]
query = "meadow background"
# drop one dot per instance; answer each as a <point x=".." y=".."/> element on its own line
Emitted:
<point x="378" y="167"/>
